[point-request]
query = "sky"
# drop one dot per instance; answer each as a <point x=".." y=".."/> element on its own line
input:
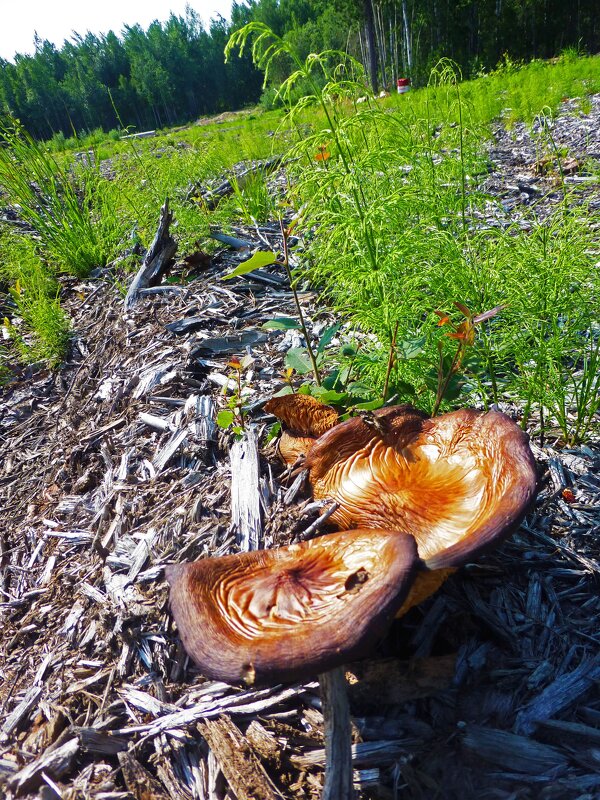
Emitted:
<point x="57" y="20"/>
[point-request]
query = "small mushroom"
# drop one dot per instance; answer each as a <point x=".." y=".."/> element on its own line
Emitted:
<point x="304" y="419"/>
<point x="457" y="483"/>
<point x="282" y="614"/>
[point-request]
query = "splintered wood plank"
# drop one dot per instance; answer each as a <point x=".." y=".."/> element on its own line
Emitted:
<point x="563" y="692"/>
<point x="237" y="760"/>
<point x="200" y="410"/>
<point x="514" y="753"/>
<point x="53" y="762"/>
<point x="19" y="713"/>
<point x="245" y="492"/>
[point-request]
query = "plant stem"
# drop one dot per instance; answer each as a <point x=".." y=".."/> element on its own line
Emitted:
<point x="286" y="265"/>
<point x="391" y="361"/>
<point x="443" y="384"/>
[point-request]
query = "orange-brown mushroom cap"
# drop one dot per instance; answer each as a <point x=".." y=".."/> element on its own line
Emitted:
<point x="457" y="482"/>
<point x="289" y="613"/>
<point x="304" y="419"/>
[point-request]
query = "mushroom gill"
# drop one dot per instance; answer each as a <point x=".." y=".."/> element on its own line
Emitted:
<point x="456" y="482"/>
<point x="304" y="419"/>
<point x="282" y="614"/>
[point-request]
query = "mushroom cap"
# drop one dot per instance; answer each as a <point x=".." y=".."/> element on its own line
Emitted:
<point x="304" y="419"/>
<point x="283" y="614"/>
<point x="456" y="482"/>
<point x="302" y="413"/>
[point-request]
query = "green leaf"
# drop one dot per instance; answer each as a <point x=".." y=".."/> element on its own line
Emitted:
<point x="225" y="418"/>
<point x="327" y="336"/>
<point x="261" y="259"/>
<point x="411" y="348"/>
<point x="455" y="387"/>
<point x="281" y="324"/>
<point x="332" y="380"/>
<point x="358" y="389"/>
<point x="348" y="350"/>
<point x="371" y="405"/>
<point x="330" y="396"/>
<point x="273" y="431"/>
<point x="297" y="359"/>
<point x="284" y="390"/>
<point x="405" y="389"/>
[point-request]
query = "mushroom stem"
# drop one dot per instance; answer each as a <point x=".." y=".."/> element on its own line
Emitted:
<point x="338" y="743"/>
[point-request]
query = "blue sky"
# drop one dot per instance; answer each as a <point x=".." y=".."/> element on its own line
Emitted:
<point x="57" y="20"/>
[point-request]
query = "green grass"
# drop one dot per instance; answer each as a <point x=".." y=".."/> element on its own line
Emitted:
<point x="390" y="218"/>
<point x="64" y="205"/>
<point x="34" y="320"/>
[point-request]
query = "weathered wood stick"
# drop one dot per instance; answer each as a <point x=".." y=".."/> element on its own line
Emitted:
<point x="245" y="492"/>
<point x="338" y="783"/>
<point x="160" y="252"/>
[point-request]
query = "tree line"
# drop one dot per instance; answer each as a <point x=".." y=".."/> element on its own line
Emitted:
<point x="169" y="73"/>
<point x="174" y="71"/>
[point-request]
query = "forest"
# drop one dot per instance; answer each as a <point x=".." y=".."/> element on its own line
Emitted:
<point x="175" y="70"/>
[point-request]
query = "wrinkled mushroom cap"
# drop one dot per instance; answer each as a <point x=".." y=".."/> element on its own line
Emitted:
<point x="285" y="614"/>
<point x="457" y="482"/>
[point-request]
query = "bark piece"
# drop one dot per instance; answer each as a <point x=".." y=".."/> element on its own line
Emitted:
<point x="237" y="760"/>
<point x="139" y="781"/>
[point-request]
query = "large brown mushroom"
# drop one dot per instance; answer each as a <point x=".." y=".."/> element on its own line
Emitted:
<point x="283" y="614"/>
<point x="457" y="482"/>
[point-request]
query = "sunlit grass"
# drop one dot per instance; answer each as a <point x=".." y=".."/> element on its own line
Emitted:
<point x="388" y="192"/>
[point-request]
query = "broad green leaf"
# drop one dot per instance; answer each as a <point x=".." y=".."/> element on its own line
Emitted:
<point x="281" y="324"/>
<point x="358" y="389"/>
<point x="327" y="336"/>
<point x="330" y="396"/>
<point x="411" y="348"/>
<point x="332" y="380"/>
<point x="225" y="418"/>
<point x="405" y="389"/>
<point x="261" y="259"/>
<point x="284" y="390"/>
<point x="297" y="358"/>
<point x="348" y="350"/>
